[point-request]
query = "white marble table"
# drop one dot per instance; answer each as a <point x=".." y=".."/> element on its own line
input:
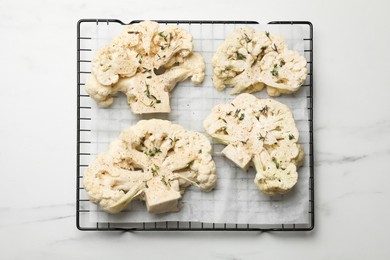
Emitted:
<point x="38" y="133"/>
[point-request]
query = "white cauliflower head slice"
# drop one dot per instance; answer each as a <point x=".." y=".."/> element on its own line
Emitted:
<point x="153" y="161"/>
<point x="259" y="133"/>
<point x="238" y="63"/>
<point x="145" y="64"/>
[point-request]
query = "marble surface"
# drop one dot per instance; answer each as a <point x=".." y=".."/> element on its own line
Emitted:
<point x="38" y="133"/>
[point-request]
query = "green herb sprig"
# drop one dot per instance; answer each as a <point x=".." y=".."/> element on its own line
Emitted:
<point x="242" y="116"/>
<point x="155" y="169"/>
<point x="275" y="162"/>
<point x="240" y="56"/>
<point x="247" y="39"/>
<point x="163" y="180"/>
<point x="161" y="34"/>
<point x="237" y="112"/>
<point x="152" y="97"/>
<point x="260" y="137"/>
<point x="275" y="48"/>
<point x="274" y="71"/>
<point x="264" y="110"/>
<point x="153" y="152"/>
<point x="173" y="140"/>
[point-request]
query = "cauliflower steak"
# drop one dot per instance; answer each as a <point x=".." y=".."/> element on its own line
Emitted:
<point x="249" y="61"/>
<point x="259" y="133"/>
<point x="145" y="64"/>
<point x="153" y="161"/>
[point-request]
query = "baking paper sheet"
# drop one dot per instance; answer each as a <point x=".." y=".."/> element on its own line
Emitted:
<point x="236" y="199"/>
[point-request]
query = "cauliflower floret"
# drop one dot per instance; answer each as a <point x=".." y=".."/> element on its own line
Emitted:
<point x="103" y="67"/>
<point x="102" y="94"/>
<point x="259" y="133"/>
<point x="271" y="178"/>
<point x="170" y="43"/>
<point x="154" y="161"/>
<point x="192" y="66"/>
<point x="246" y="60"/>
<point x="146" y="65"/>
<point x="284" y="72"/>
<point x="140" y="36"/>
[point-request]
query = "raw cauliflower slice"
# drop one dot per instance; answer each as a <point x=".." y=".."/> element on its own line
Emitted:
<point x="246" y="59"/>
<point x="145" y="64"/>
<point x="259" y="133"/>
<point x="153" y="161"/>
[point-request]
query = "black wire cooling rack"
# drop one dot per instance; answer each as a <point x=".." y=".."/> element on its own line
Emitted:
<point x="83" y="220"/>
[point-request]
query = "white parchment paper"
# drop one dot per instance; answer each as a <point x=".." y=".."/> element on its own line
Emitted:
<point x="236" y="199"/>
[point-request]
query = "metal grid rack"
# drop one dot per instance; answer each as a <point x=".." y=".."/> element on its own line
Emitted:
<point x="82" y="142"/>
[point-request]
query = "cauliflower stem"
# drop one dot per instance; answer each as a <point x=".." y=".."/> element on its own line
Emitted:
<point x="129" y="196"/>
